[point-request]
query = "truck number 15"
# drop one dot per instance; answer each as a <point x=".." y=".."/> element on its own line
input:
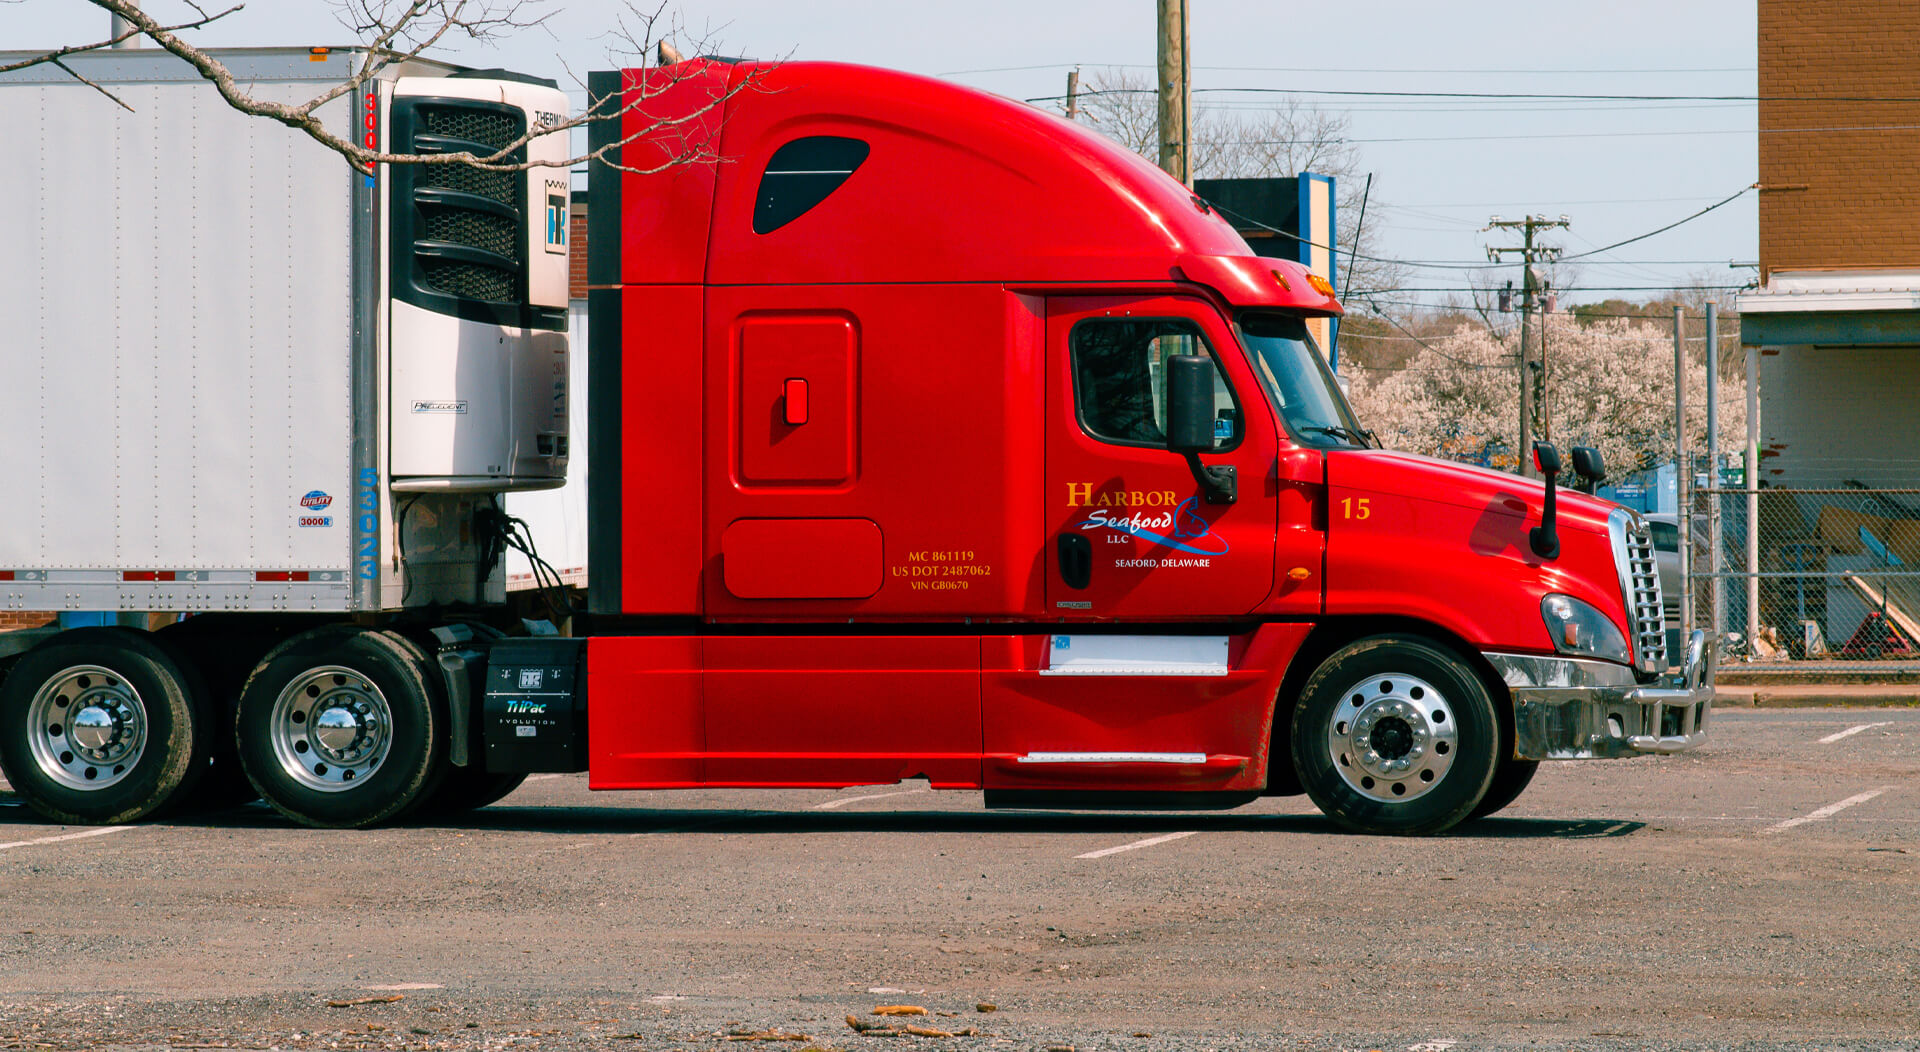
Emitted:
<point x="1355" y="508"/>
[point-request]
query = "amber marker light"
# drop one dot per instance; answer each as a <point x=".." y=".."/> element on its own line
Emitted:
<point x="1320" y="284"/>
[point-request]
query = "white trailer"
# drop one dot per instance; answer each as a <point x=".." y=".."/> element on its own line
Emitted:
<point x="247" y="380"/>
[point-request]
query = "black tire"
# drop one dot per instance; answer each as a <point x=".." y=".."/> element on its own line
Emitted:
<point x="151" y="751"/>
<point x="1508" y="783"/>
<point x="222" y="650"/>
<point x="342" y="727"/>
<point x="443" y="768"/>
<point x="468" y="788"/>
<point x="1396" y="735"/>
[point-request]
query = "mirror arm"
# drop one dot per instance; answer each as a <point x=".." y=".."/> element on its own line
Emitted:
<point x="1544" y="539"/>
<point x="1221" y="483"/>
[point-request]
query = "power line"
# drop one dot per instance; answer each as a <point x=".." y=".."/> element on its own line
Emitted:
<point x="1575" y="288"/>
<point x="1446" y="106"/>
<point x="1608" y="248"/>
<point x="1557" y="204"/>
<point x="1384" y="316"/>
<point x="1361" y="69"/>
<point x="1575" y="310"/>
<point x="1401" y="262"/>
<point x="1470" y="264"/>
<point x="1515" y="138"/>
<point x="1510" y="95"/>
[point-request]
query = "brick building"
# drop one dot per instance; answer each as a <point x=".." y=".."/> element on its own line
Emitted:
<point x="1837" y="316"/>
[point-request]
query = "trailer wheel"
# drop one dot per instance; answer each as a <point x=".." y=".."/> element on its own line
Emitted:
<point x="1508" y="783"/>
<point x="1396" y="735"/>
<point x="97" y="726"/>
<point x="469" y="788"/>
<point x="222" y="649"/>
<point x="341" y="727"/>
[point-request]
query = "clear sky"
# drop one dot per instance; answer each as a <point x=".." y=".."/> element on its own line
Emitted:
<point x="1441" y="166"/>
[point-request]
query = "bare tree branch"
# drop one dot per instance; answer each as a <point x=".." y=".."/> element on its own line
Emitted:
<point x="398" y="31"/>
<point x="1279" y="141"/>
<point x="71" y="72"/>
<point x="57" y="54"/>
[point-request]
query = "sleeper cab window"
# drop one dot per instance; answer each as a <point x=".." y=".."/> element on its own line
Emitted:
<point x="1120" y="379"/>
<point x="802" y="174"/>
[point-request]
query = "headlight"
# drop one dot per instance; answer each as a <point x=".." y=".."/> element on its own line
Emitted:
<point x="1580" y="629"/>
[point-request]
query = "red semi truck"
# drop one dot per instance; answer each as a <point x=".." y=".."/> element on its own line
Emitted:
<point x="936" y="437"/>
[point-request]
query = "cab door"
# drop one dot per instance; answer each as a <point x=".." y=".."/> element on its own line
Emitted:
<point x="1131" y="533"/>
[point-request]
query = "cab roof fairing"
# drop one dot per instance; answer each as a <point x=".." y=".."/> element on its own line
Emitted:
<point x="960" y="186"/>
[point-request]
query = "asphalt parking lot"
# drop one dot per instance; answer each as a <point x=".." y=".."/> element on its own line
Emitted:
<point x="1763" y="891"/>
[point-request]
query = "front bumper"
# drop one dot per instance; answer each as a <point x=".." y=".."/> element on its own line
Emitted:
<point x="1573" y="709"/>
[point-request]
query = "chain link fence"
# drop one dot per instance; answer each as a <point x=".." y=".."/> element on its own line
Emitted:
<point x="1810" y="580"/>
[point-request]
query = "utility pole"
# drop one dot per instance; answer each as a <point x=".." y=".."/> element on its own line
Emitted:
<point x="1176" y="94"/>
<point x="1716" y="592"/>
<point x="1528" y="252"/>
<point x="1073" y="93"/>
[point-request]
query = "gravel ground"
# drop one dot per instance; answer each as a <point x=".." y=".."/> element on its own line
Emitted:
<point x="1676" y="903"/>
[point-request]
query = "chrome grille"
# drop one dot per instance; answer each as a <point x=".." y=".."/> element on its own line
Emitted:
<point x="1640" y="579"/>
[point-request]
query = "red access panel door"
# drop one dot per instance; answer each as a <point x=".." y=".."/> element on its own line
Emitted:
<point x="798" y="418"/>
<point x="1131" y="533"/>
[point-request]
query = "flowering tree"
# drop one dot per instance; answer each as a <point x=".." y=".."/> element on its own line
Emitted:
<point x="1610" y="385"/>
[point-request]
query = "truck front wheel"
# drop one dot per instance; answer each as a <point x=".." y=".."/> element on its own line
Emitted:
<point x="1509" y="782"/>
<point x="341" y="727"/>
<point x="97" y="725"/>
<point x="1395" y="735"/>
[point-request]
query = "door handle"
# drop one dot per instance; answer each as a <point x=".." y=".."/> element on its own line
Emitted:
<point x="1076" y="560"/>
<point x="793" y="398"/>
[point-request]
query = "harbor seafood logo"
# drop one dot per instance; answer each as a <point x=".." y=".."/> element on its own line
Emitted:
<point x="1157" y="516"/>
<point x="316" y="500"/>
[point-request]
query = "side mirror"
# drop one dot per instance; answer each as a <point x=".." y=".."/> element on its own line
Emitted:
<point x="1545" y="538"/>
<point x="1190" y="424"/>
<point x="1588" y="465"/>
<point x="1190" y="403"/>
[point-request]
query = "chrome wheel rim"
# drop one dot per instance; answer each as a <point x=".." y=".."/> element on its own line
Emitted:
<point x="331" y="728"/>
<point x="1393" y="738"/>
<point x="87" y="727"/>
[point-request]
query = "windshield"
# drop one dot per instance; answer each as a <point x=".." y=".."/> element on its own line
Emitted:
<point x="1298" y="380"/>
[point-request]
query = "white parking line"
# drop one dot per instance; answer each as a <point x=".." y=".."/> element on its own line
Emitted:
<point x="831" y="804"/>
<point x="1828" y="811"/>
<point x="543" y="777"/>
<point x="102" y="831"/>
<point x="1148" y="842"/>
<point x="1851" y="731"/>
